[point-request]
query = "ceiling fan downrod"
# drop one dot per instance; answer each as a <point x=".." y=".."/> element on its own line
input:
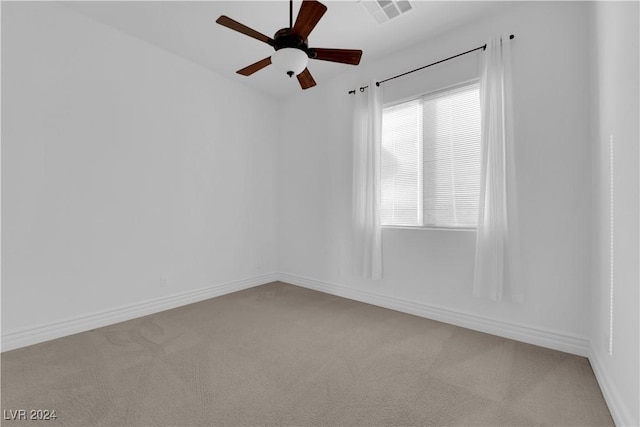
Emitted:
<point x="290" y="13"/>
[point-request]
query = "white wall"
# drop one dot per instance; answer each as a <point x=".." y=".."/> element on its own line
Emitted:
<point x="616" y="112"/>
<point x="434" y="269"/>
<point x="128" y="173"/>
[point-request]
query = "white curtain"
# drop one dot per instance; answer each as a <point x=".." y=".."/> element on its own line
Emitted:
<point x="367" y="234"/>
<point x="497" y="273"/>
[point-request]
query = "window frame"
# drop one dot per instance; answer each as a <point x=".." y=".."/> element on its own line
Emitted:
<point x="430" y="93"/>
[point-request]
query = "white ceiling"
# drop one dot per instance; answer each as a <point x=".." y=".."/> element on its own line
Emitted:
<point x="188" y="29"/>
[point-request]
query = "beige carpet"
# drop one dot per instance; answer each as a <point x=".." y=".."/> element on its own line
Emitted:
<point x="283" y="355"/>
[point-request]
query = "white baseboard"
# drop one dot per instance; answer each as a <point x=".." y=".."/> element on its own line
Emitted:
<point x="532" y="335"/>
<point x="525" y="333"/>
<point x="41" y="333"/>
<point x="619" y="412"/>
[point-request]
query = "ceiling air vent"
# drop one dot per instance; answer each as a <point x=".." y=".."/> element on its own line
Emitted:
<point x="386" y="10"/>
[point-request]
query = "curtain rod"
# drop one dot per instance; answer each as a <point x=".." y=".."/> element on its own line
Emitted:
<point x="483" y="47"/>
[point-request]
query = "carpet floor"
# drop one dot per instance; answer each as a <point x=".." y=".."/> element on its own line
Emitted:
<point x="279" y="354"/>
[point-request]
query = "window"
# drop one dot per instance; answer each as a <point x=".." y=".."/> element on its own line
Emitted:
<point x="431" y="160"/>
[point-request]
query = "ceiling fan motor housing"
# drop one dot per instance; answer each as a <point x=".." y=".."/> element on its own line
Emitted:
<point x="285" y="38"/>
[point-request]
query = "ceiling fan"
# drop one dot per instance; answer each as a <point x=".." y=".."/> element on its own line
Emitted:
<point x="292" y="51"/>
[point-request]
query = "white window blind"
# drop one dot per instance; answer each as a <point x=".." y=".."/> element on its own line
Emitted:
<point x="401" y="172"/>
<point x="431" y="160"/>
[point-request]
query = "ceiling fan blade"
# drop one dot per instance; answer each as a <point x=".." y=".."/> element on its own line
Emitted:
<point x="306" y="79"/>
<point x="235" y="25"/>
<point x="310" y="13"/>
<point x="250" y="69"/>
<point x="345" y="56"/>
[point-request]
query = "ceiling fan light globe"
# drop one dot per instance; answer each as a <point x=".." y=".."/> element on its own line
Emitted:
<point x="290" y="59"/>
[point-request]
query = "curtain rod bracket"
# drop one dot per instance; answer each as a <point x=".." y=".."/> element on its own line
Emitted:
<point x="353" y="91"/>
<point x="511" y="37"/>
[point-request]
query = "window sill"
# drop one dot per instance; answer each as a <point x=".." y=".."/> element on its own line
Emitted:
<point x="407" y="227"/>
